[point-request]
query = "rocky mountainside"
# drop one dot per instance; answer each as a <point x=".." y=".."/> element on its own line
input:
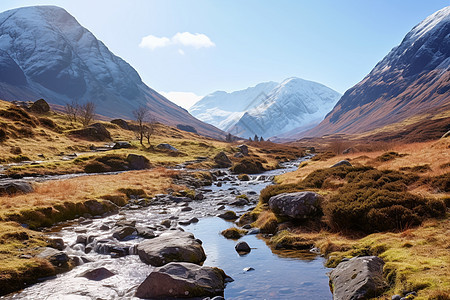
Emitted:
<point x="46" y="53"/>
<point x="414" y="78"/>
<point x="268" y="109"/>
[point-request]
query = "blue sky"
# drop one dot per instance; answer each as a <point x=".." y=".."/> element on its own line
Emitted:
<point x="197" y="47"/>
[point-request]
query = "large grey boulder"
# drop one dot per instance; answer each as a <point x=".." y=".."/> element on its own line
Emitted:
<point x="124" y="232"/>
<point x="243" y="149"/>
<point x="55" y="257"/>
<point x="358" y="278"/>
<point x="222" y="160"/>
<point x="169" y="247"/>
<point x="40" y="106"/>
<point x="138" y="162"/>
<point x="97" y="274"/>
<point x="14" y="187"/>
<point x="165" y="146"/>
<point x="300" y="205"/>
<point x="183" y="280"/>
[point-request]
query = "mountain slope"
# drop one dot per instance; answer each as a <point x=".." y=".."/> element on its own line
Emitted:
<point x="413" y="78"/>
<point x="268" y="108"/>
<point x="46" y="53"/>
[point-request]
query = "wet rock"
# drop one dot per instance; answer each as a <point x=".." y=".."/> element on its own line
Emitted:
<point x="300" y="205"/>
<point x="168" y="247"/>
<point x="228" y="215"/>
<point x="125" y="223"/>
<point x="248" y="269"/>
<point x="166" y="223"/>
<point x="199" y="196"/>
<point x="119" y="251"/>
<point x="181" y="280"/>
<point x="14" y="187"/>
<point x="96" y="207"/>
<point x="121" y="145"/>
<point x="40" y="106"/>
<point x="57" y="243"/>
<point x="222" y="160"/>
<point x="242" y="247"/>
<point x="186" y="208"/>
<point x="244" y="177"/>
<point x="124" y="232"/>
<point x="222" y="207"/>
<point x="55" y="257"/>
<point x="138" y="162"/>
<point x="218" y="184"/>
<point x="144" y="232"/>
<point x="81" y="239"/>
<point x="97" y="274"/>
<point x="104" y="227"/>
<point x="254" y="231"/>
<point x="188" y="222"/>
<point x="342" y="163"/>
<point x="243" y="149"/>
<point x="239" y="202"/>
<point x="358" y="278"/>
<point x="165" y="146"/>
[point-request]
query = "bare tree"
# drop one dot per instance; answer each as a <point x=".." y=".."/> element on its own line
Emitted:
<point x="72" y="110"/>
<point x="149" y="128"/>
<point x="87" y="112"/>
<point x="140" y="116"/>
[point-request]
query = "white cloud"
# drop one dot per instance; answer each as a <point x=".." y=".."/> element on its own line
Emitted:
<point x="196" y="40"/>
<point x="152" y="42"/>
<point x="183" y="99"/>
<point x="181" y="51"/>
<point x="186" y="39"/>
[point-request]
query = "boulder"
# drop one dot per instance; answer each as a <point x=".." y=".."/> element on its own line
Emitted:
<point x="40" y="106"/>
<point x="222" y="160"/>
<point x="145" y="232"/>
<point x="228" y="215"/>
<point x="97" y="274"/>
<point x="342" y="163"/>
<point x="182" y="280"/>
<point x="187" y="128"/>
<point x="248" y="165"/>
<point x="124" y="232"/>
<point x="176" y="246"/>
<point x="57" y="243"/>
<point x="358" y="278"/>
<point x="121" y="123"/>
<point x="121" y="145"/>
<point x="243" y="149"/>
<point x="14" y="187"/>
<point x="242" y="247"/>
<point x="55" y="257"/>
<point x="94" y="132"/>
<point x="97" y="208"/>
<point x="238" y="155"/>
<point x="138" y="162"/>
<point x="300" y="205"/>
<point x="165" y="146"/>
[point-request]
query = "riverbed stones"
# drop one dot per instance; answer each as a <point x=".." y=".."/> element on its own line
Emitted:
<point x="243" y="149"/>
<point x="358" y="278"/>
<point x="242" y="247"/>
<point x="176" y="246"/>
<point x="299" y="205"/>
<point x="183" y="280"/>
<point x="57" y="243"/>
<point x="228" y="215"/>
<point x="165" y="146"/>
<point x="97" y="274"/>
<point x="55" y="257"/>
<point x="146" y="233"/>
<point x="222" y="160"/>
<point x="14" y="187"/>
<point x="138" y="162"/>
<point x="342" y="163"/>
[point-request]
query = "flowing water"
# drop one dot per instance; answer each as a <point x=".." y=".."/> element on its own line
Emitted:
<point x="273" y="274"/>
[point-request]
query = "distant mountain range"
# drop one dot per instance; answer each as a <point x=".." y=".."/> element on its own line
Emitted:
<point x="46" y="53"/>
<point x="414" y="78"/>
<point x="267" y="109"/>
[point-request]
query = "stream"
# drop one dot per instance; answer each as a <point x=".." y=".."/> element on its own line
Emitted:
<point x="280" y="274"/>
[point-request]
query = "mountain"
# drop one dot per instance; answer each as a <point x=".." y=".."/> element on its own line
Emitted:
<point x="46" y="53"/>
<point x="267" y="109"/>
<point x="414" y="78"/>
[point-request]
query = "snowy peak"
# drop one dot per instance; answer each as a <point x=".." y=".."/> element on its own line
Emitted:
<point x="429" y="25"/>
<point x="267" y="109"/>
<point x="46" y="53"/>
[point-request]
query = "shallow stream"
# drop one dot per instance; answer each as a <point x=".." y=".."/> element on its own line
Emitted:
<point x="275" y="275"/>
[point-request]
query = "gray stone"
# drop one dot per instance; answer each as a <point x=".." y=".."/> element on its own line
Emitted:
<point x="165" y="146"/>
<point x="242" y="247"/>
<point x="222" y="160"/>
<point x="358" y="278"/>
<point x="81" y="239"/>
<point x="138" y="162"/>
<point x="182" y="280"/>
<point x="166" y="223"/>
<point x="146" y="233"/>
<point x="175" y="246"/>
<point x="342" y="163"/>
<point x="396" y="297"/>
<point x="14" y="187"/>
<point x="124" y="232"/>
<point x="239" y="155"/>
<point x="57" y="243"/>
<point x="243" y="149"/>
<point x="55" y="257"/>
<point x="121" y="145"/>
<point x="299" y="205"/>
<point x="228" y="215"/>
<point x="97" y="274"/>
<point x="40" y="106"/>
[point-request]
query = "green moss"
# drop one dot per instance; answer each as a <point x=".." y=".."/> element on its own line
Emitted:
<point x="233" y="233"/>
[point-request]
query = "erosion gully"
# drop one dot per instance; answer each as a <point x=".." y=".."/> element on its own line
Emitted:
<point x="262" y="274"/>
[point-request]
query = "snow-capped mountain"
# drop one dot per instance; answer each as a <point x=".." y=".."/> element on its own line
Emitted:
<point x="267" y="109"/>
<point x="46" y="53"/>
<point x="414" y="78"/>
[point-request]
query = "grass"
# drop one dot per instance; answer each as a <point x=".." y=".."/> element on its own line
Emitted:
<point x="233" y="233"/>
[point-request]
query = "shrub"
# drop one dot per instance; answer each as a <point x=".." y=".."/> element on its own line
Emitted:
<point x="287" y="240"/>
<point x="389" y="156"/>
<point x="46" y="122"/>
<point x="130" y="192"/>
<point x="96" y="167"/>
<point x="244" y="177"/>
